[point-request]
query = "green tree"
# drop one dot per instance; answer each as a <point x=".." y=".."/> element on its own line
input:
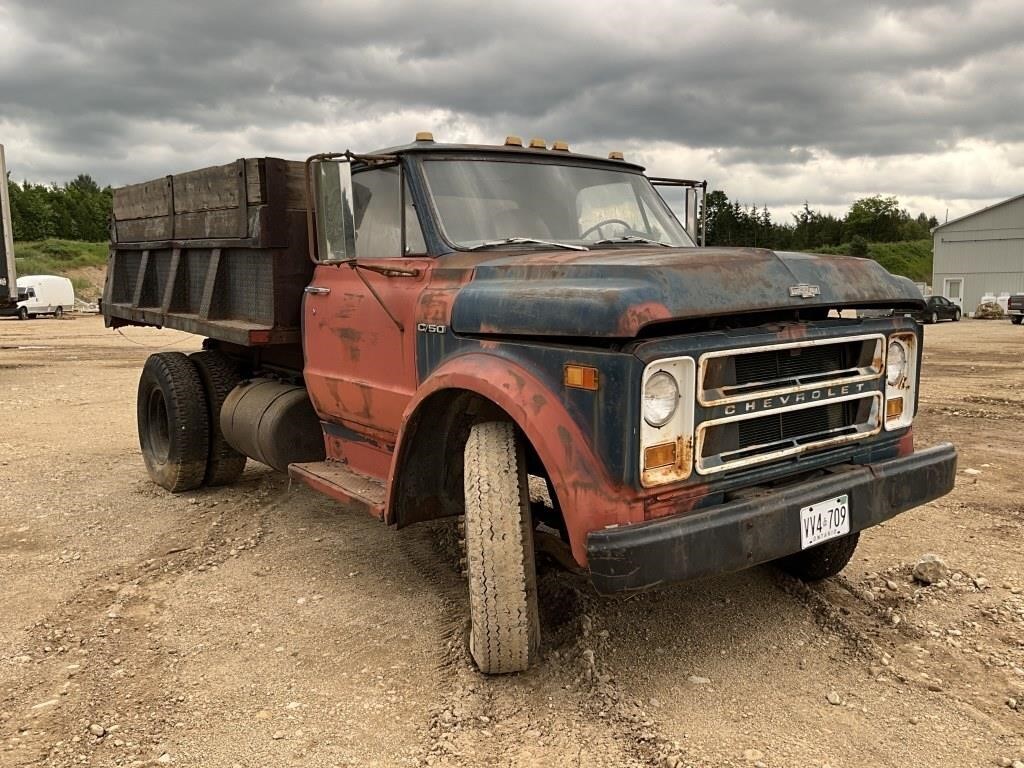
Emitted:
<point x="876" y="219"/>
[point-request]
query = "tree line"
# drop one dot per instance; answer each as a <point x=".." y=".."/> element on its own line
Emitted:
<point x="80" y="210"/>
<point x="77" y="210"/>
<point x="874" y="219"/>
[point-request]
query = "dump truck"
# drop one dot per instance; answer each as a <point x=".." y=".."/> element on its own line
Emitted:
<point x="535" y="341"/>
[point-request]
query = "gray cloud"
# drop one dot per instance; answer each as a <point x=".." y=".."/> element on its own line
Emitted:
<point x="125" y="89"/>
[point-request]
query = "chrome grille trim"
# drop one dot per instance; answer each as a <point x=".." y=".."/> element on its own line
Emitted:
<point x="790" y="384"/>
<point x="732" y="403"/>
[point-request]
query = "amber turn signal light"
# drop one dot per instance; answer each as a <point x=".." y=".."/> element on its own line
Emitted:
<point x="661" y="455"/>
<point x="581" y="377"/>
<point x="893" y="408"/>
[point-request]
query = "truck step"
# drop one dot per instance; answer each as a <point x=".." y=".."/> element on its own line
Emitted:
<point x="338" y="481"/>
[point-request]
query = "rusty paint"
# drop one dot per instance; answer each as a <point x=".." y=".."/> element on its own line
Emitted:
<point x="590" y="500"/>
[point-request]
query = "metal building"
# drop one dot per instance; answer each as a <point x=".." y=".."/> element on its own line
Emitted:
<point x="980" y="254"/>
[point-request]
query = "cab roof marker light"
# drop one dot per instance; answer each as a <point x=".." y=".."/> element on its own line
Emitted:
<point x="616" y="156"/>
<point x="538" y="144"/>
<point x="424" y="136"/>
<point x="561" y="146"/>
<point x="513" y="141"/>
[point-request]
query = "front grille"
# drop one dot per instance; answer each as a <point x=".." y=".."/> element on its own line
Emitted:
<point x="793" y="363"/>
<point x="736" y="374"/>
<point x="794" y="424"/>
<point x="770" y="403"/>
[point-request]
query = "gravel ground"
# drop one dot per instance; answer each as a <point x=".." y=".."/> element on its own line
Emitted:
<point x="263" y="625"/>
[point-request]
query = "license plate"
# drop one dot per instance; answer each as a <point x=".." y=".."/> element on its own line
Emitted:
<point x="828" y="519"/>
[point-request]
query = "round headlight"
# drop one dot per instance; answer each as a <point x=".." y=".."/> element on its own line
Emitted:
<point x="661" y="395"/>
<point x="895" y="363"/>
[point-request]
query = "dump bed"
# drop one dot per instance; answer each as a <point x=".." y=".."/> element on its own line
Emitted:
<point x="220" y="252"/>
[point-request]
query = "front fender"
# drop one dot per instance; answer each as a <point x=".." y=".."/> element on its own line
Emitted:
<point x="588" y="498"/>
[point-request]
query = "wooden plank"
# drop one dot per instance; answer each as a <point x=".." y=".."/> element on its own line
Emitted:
<point x="144" y="230"/>
<point x="207" y="189"/>
<point x="140" y="201"/>
<point x="295" y="185"/>
<point x="207" y="225"/>
<point x="254" y="184"/>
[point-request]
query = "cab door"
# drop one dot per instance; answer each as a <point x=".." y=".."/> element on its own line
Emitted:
<point x="359" y="318"/>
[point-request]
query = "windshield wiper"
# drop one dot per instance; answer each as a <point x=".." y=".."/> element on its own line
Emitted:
<point x="633" y="239"/>
<point x="523" y="240"/>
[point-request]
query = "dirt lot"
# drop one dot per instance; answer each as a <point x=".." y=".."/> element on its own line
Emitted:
<point x="262" y="625"/>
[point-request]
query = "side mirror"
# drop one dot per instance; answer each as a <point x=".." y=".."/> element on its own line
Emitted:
<point x="333" y="209"/>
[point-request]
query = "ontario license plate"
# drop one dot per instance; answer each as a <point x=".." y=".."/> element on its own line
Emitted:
<point x="828" y="519"/>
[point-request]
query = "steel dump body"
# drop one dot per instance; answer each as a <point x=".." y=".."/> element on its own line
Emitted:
<point x="219" y="251"/>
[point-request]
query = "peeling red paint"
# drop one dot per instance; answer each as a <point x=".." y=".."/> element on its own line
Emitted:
<point x="589" y="499"/>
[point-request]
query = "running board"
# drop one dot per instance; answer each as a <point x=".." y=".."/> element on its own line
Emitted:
<point x="334" y="479"/>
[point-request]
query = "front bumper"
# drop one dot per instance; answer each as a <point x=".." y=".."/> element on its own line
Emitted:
<point x="739" y="534"/>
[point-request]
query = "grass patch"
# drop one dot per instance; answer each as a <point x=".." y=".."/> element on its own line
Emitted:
<point x="910" y="258"/>
<point x="56" y="257"/>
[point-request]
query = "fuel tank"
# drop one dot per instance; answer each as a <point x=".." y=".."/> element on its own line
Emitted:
<point x="273" y="423"/>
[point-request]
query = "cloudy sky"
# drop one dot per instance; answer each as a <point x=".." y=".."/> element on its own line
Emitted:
<point x="775" y="101"/>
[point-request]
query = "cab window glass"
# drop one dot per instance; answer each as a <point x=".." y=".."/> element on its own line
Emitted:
<point x="378" y="218"/>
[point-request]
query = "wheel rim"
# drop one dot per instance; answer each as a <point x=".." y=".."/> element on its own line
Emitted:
<point x="59" y="312"/>
<point x="159" y="432"/>
<point x="935" y="317"/>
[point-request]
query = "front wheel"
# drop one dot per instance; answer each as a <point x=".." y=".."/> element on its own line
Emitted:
<point x="957" y="316"/>
<point x="1017" y="319"/>
<point x="505" y="624"/>
<point x="822" y="561"/>
<point x="23" y="313"/>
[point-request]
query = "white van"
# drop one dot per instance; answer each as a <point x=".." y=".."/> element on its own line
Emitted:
<point x="43" y="295"/>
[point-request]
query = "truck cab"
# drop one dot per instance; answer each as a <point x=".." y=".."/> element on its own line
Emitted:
<point x="535" y="340"/>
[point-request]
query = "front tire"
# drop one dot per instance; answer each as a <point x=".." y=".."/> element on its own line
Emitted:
<point x="173" y="419"/>
<point x="957" y="316"/>
<point x="22" y="313"/>
<point x="505" y="624"/>
<point x="822" y="561"/>
<point x="1017" y="319"/>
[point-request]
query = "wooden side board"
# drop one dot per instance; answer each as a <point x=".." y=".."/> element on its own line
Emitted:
<point x="207" y="203"/>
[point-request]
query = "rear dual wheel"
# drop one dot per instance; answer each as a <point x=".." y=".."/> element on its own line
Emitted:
<point x="178" y="412"/>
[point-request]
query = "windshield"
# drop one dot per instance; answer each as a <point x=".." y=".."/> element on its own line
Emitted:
<point x="486" y="202"/>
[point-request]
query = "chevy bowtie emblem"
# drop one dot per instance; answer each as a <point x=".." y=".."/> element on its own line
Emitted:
<point x="805" y="291"/>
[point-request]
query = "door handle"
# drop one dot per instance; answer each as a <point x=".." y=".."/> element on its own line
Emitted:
<point x="317" y="290"/>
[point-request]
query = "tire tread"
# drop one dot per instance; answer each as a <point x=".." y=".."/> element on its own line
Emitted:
<point x="505" y="626"/>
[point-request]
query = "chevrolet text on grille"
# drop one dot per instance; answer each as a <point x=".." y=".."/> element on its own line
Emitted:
<point x="780" y="401"/>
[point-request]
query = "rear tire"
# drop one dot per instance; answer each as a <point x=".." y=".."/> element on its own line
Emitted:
<point x="173" y="419"/>
<point x="505" y="624"/>
<point x="58" y="313"/>
<point x="822" y="561"/>
<point x="1017" y="319"/>
<point x="934" y="318"/>
<point x="219" y="377"/>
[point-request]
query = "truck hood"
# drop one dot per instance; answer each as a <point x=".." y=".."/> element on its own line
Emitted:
<point x="615" y="293"/>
